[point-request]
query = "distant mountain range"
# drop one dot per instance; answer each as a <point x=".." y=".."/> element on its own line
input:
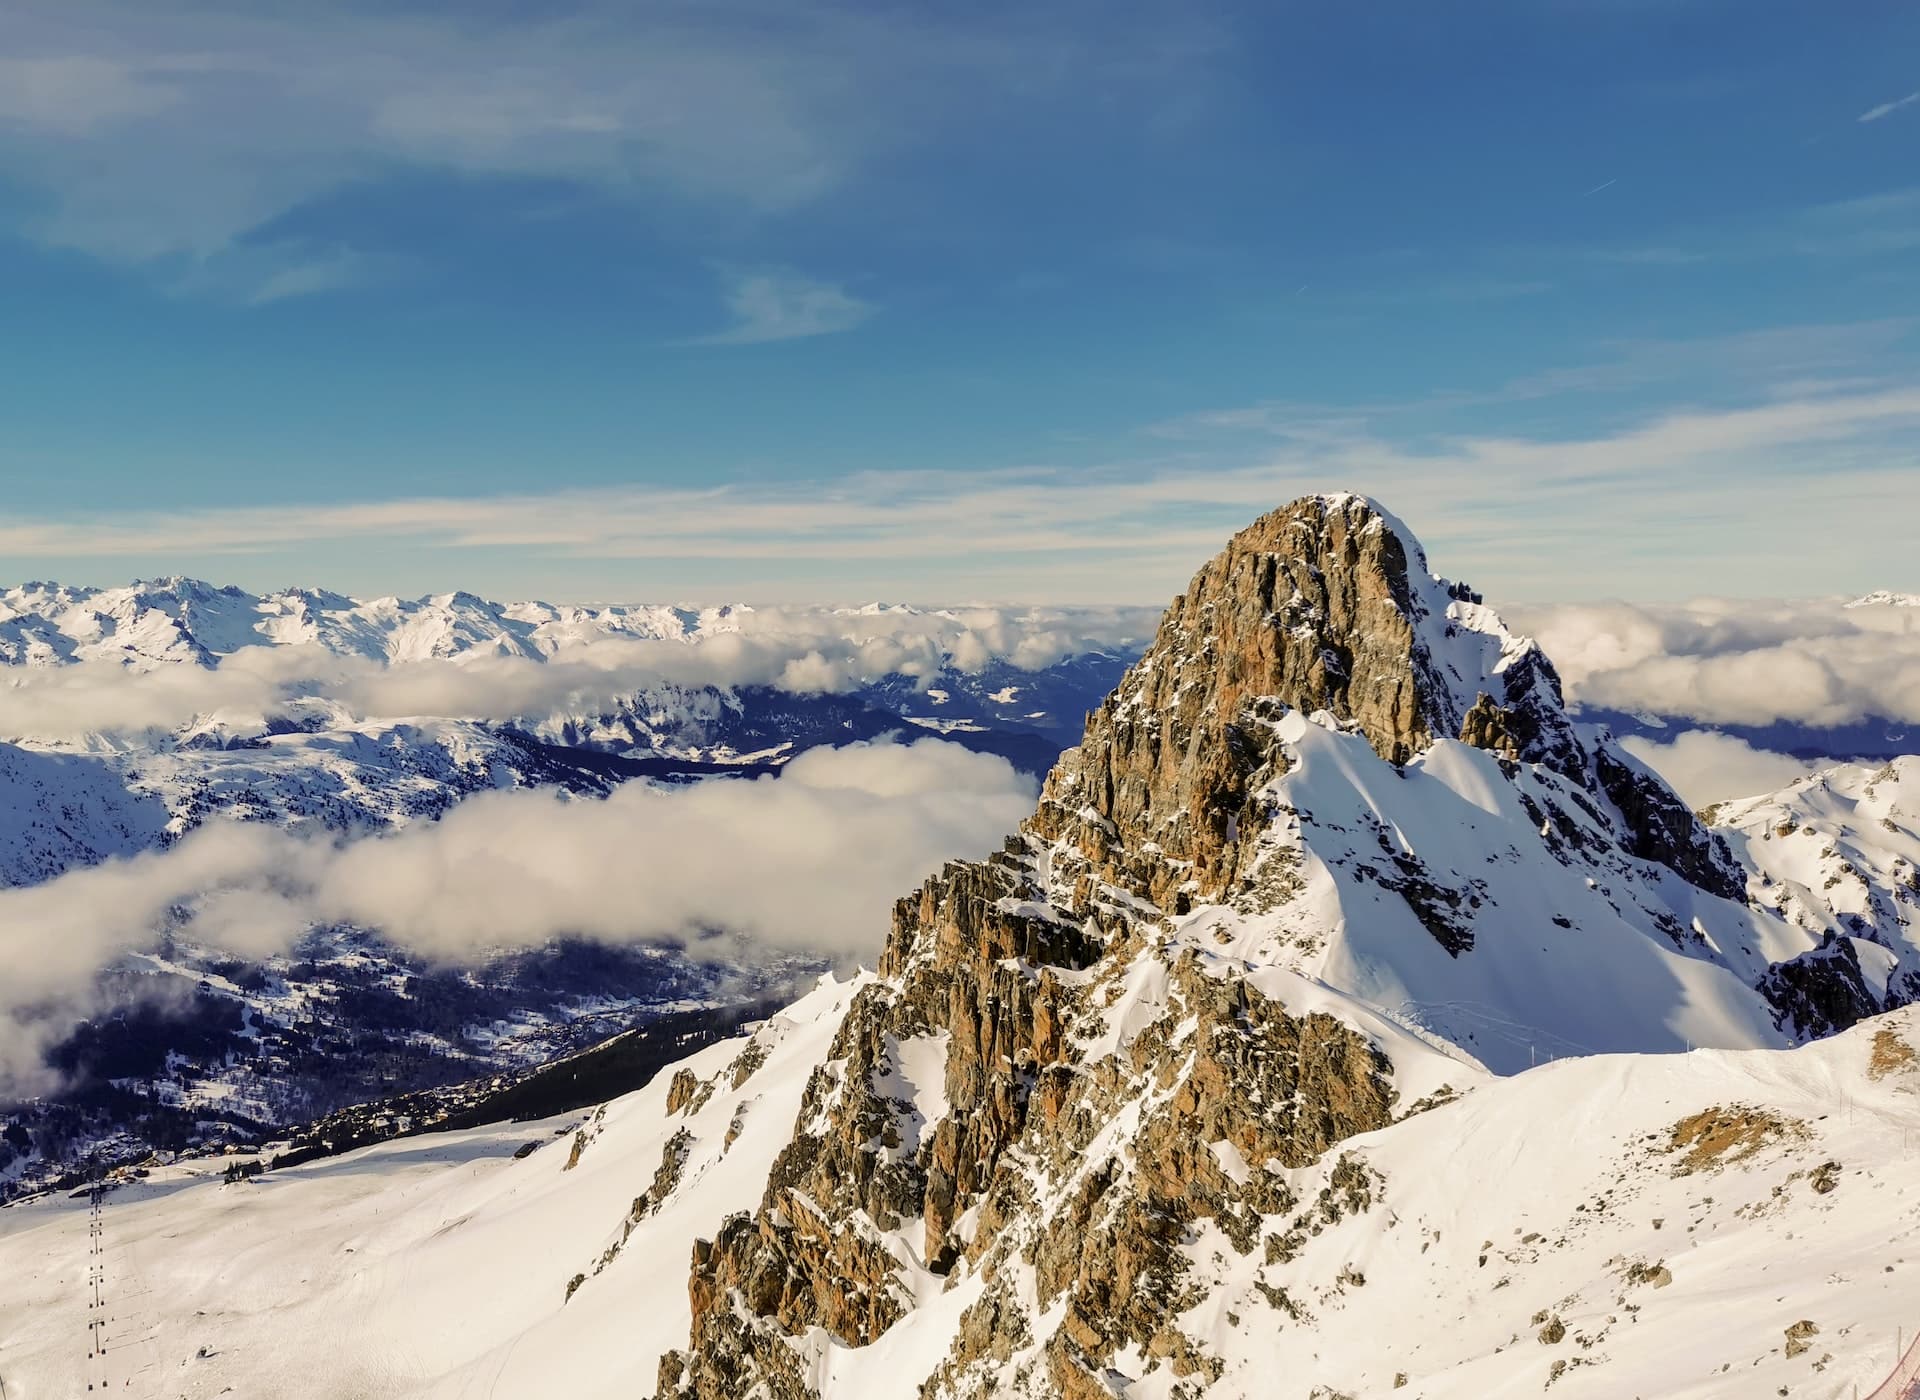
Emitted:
<point x="207" y="1047"/>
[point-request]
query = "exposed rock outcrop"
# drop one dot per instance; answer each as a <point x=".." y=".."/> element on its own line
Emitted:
<point x="1824" y="990"/>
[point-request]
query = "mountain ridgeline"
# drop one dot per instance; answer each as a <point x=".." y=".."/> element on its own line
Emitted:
<point x="1331" y="851"/>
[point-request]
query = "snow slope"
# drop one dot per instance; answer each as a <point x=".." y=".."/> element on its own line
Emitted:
<point x="1837" y="851"/>
<point x="1561" y="941"/>
<point x="430" y="1266"/>
<point x="439" y="1266"/>
<point x="66" y="810"/>
<point x="1666" y="1271"/>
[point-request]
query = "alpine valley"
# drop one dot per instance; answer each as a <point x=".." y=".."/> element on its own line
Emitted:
<point x="1348" y="1019"/>
<point x="248" y="712"/>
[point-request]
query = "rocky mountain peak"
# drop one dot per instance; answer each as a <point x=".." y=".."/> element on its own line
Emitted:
<point x="1329" y="843"/>
<point x="1324" y="605"/>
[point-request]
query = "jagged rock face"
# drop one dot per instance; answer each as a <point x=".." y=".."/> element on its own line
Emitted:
<point x="1662" y="828"/>
<point x="1226" y="1105"/>
<point x="967" y="974"/>
<point x="1321" y="605"/>
<point x="1013" y="990"/>
<point x="1824" y="990"/>
<point x="1310" y="606"/>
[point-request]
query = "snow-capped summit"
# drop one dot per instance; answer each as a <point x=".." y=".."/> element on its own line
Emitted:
<point x="157" y="621"/>
<point x="1886" y="598"/>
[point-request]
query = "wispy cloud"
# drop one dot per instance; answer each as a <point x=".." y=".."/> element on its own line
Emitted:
<point x="75" y="94"/>
<point x="1887" y="109"/>
<point x="1781" y="362"/>
<point x="329" y="271"/>
<point x="1643" y="510"/>
<point x="773" y="304"/>
<point x="1887" y="222"/>
<point x="164" y="135"/>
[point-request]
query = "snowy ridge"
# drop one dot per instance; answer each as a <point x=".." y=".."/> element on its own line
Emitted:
<point x="1886" y="598"/>
<point x="1496" y="911"/>
<point x="1573" y="1203"/>
<point x="1463" y="645"/>
<point x="1837" y="856"/>
<point x="169" y="620"/>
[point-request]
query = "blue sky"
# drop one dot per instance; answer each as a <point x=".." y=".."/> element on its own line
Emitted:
<point x="1606" y="297"/>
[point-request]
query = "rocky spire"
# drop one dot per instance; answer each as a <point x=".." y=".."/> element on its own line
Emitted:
<point x="1323" y="605"/>
<point x="1008" y="972"/>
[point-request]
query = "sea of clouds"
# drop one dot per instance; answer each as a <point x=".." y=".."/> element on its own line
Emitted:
<point x="1745" y="661"/>
<point x="811" y="861"/>
<point x="1817" y="663"/>
<point x="798" y="650"/>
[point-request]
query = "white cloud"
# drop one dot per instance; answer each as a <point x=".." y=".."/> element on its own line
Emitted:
<point x="799" y="650"/>
<point x="776" y="305"/>
<point x="72" y="95"/>
<point x="173" y="135"/>
<point x="809" y="861"/>
<point x="1724" y="661"/>
<point x="1657" y="507"/>
<point x="1887" y="109"/>
<point x="1704" y="767"/>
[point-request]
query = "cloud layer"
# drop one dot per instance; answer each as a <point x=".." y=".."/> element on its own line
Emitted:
<point x="1649" y="508"/>
<point x="809" y="861"/>
<point x="190" y="138"/>
<point x="1749" y="662"/>
<point x="798" y="650"/>
<point x="1704" y="767"/>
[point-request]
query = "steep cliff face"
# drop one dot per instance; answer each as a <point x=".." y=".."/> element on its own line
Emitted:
<point x="1331" y="849"/>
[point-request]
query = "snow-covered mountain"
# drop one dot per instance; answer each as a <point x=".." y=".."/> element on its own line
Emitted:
<point x="1031" y="671"/>
<point x="130" y="717"/>
<point x="238" y="698"/>
<point x="167" y="620"/>
<point x="1347" y="1020"/>
<point x="1837" y="855"/>
<point x="143" y="713"/>
<point x="1694" y="1227"/>
<point x="1886" y="598"/>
